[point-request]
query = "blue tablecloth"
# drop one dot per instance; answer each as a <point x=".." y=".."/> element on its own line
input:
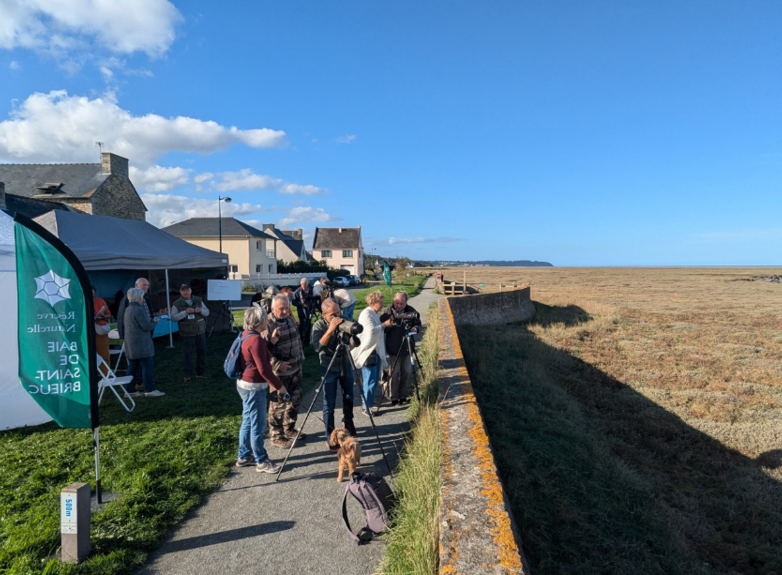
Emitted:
<point x="161" y="328"/>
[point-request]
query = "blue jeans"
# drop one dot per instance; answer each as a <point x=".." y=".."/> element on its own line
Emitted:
<point x="370" y="374"/>
<point x="330" y="398"/>
<point x="253" y="424"/>
<point x="144" y="365"/>
<point x="347" y="311"/>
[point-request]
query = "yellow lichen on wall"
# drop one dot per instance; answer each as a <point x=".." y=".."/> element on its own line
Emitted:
<point x="509" y="557"/>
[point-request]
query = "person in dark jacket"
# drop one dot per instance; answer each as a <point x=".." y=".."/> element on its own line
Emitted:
<point x="398" y="354"/>
<point x="303" y="301"/>
<point x="138" y="344"/>
<point x="191" y="313"/>
<point x="256" y="377"/>
<point x="142" y="284"/>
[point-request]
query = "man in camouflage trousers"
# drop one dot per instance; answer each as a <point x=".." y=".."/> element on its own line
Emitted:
<point x="287" y="359"/>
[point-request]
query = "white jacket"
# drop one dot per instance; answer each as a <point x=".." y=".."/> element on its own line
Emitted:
<point x="372" y="339"/>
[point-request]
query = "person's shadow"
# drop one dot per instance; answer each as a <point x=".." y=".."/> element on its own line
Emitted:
<point x="602" y="479"/>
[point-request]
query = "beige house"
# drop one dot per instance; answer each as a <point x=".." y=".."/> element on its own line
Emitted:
<point x="101" y="189"/>
<point x="251" y="252"/>
<point x="290" y="244"/>
<point x="340" y="248"/>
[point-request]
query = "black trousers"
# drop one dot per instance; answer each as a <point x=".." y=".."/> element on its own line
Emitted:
<point x="191" y="343"/>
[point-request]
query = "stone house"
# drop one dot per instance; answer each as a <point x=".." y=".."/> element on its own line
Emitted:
<point x="101" y="189"/>
<point x="340" y="248"/>
<point x="251" y="252"/>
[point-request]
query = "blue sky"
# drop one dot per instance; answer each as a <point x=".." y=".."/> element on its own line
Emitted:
<point x="580" y="133"/>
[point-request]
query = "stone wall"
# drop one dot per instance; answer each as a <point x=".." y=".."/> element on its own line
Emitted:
<point x="118" y="198"/>
<point x="477" y="532"/>
<point x="492" y="308"/>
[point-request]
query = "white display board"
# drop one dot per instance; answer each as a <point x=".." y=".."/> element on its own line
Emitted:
<point x="221" y="290"/>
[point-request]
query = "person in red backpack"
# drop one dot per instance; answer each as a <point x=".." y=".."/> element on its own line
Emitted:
<point x="256" y="378"/>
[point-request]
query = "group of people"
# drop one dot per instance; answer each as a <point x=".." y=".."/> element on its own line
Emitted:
<point x="272" y="352"/>
<point x="273" y="355"/>
<point x="136" y="323"/>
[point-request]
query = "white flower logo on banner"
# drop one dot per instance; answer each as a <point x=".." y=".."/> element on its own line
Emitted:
<point x="52" y="288"/>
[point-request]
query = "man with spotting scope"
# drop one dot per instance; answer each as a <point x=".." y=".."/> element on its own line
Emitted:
<point x="398" y="320"/>
<point x="325" y="334"/>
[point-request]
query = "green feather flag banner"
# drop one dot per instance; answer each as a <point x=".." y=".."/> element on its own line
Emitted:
<point x="56" y="331"/>
<point x="387" y="274"/>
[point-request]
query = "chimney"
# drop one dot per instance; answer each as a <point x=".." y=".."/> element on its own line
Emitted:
<point x="340" y="230"/>
<point x="114" y="164"/>
<point x="301" y="233"/>
<point x="2" y="195"/>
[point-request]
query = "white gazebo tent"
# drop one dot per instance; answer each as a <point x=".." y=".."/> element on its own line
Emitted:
<point x="17" y="408"/>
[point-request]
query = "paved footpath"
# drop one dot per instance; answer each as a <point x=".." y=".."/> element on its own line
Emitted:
<point x="253" y="524"/>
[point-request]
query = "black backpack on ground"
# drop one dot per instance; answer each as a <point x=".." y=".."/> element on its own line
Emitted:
<point x="377" y="499"/>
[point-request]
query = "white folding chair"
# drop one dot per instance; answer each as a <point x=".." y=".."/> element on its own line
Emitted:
<point x="114" y="334"/>
<point x="110" y="381"/>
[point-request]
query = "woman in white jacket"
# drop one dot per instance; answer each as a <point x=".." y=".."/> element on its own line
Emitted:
<point x="371" y="356"/>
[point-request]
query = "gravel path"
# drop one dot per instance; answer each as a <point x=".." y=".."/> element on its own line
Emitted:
<point x="253" y="524"/>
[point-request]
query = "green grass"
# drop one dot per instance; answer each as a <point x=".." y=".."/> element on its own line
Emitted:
<point x="163" y="458"/>
<point x="414" y="537"/>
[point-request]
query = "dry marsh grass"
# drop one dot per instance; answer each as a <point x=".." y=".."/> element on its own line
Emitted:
<point x="638" y="417"/>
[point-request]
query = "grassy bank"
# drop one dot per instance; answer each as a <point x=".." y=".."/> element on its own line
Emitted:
<point x="634" y="425"/>
<point x="163" y="458"/>
<point x="413" y="540"/>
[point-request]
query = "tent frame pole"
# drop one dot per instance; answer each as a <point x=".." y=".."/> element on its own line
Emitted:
<point x="168" y="310"/>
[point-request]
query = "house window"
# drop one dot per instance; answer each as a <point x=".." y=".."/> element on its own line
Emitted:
<point x="270" y="253"/>
<point x="325" y="253"/>
<point x="234" y="269"/>
<point x="258" y="268"/>
<point x="258" y="246"/>
<point x="270" y="268"/>
<point x="347" y="253"/>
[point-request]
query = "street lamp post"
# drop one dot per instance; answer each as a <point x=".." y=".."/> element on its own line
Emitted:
<point x="221" y="199"/>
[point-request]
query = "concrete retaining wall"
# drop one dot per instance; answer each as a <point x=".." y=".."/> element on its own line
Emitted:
<point x="492" y="308"/>
<point x="477" y="534"/>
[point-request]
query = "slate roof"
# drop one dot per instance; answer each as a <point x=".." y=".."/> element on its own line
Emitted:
<point x="30" y="207"/>
<point x="295" y="245"/>
<point x="78" y="179"/>
<point x="209" y="227"/>
<point x="295" y="234"/>
<point x="334" y="239"/>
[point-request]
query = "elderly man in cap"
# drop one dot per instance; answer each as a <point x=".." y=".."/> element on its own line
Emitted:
<point x="191" y="313"/>
<point x="287" y="358"/>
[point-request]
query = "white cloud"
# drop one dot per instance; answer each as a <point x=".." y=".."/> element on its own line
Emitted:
<point x="56" y="127"/>
<point x="59" y="27"/>
<point x="300" y="215"/>
<point x="166" y="209"/>
<point x="345" y="139"/>
<point x="158" y="178"/>
<point x="14" y="65"/>
<point x="244" y="180"/>
<point x="200" y="179"/>
<point x="391" y="241"/>
<point x="308" y="190"/>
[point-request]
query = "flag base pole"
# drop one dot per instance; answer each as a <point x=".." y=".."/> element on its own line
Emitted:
<point x="96" y="444"/>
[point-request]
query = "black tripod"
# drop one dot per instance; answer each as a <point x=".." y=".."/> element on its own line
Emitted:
<point x="343" y="353"/>
<point x="225" y="312"/>
<point x="412" y="354"/>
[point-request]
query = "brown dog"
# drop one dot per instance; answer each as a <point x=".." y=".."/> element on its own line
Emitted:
<point x="349" y="450"/>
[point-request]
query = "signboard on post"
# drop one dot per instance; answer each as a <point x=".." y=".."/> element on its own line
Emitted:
<point x="222" y="290"/>
<point x="56" y="328"/>
<point x="387" y="274"/>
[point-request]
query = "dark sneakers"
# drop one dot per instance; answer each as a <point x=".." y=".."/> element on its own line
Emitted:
<point x="282" y="443"/>
<point x="292" y="435"/>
